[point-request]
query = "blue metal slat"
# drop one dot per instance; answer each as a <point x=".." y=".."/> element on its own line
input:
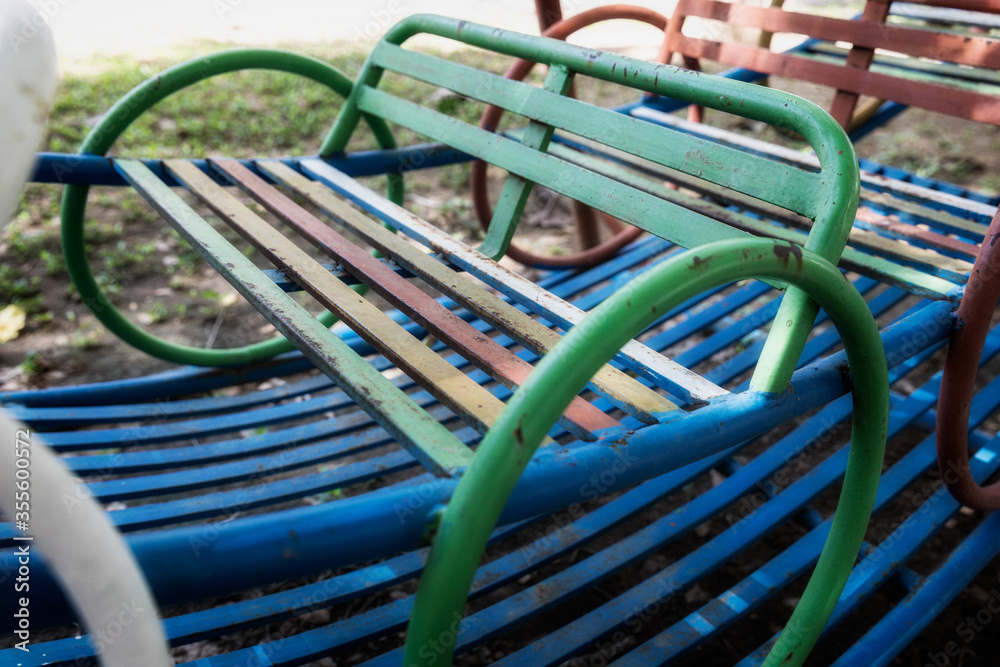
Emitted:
<point x="150" y="434"/>
<point x="754" y="590"/>
<point x="551" y="482"/>
<point x="46" y="419"/>
<point x="747" y="359"/>
<point x="182" y="381"/>
<point x="258" y="444"/>
<point x="328" y="452"/>
<point x="879" y="563"/>
<point x="616" y="613"/>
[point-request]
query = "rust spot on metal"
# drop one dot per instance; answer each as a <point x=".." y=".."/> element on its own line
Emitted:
<point x="518" y="433"/>
<point x="698" y="260"/>
<point x="784" y="252"/>
<point x="845" y="373"/>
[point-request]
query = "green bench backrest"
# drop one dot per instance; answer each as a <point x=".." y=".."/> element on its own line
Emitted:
<point x="828" y="197"/>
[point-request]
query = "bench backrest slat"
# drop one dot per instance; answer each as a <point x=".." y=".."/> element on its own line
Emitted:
<point x="870" y="33"/>
<point x="916" y="42"/>
<point x="744" y="172"/>
<point x="828" y="197"/>
<point x="645" y="210"/>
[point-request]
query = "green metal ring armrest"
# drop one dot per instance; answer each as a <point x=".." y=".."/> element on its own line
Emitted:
<point x="117" y="120"/>
<point x="505" y="451"/>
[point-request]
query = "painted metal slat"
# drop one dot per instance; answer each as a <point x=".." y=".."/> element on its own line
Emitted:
<point x="643" y="210"/>
<point x="444" y="381"/>
<point x="631" y="396"/>
<point x="925" y="281"/>
<point x="750" y="174"/>
<point x="51" y="418"/>
<point x="581" y="418"/>
<point x="636" y="356"/>
<point x="430" y="442"/>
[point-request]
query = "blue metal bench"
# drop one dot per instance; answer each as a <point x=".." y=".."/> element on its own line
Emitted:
<point x="645" y="535"/>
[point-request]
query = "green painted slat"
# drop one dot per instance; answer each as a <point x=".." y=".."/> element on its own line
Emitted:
<point x="901" y="189"/>
<point x="430" y="442"/>
<point x="922" y="259"/>
<point x="885" y="270"/>
<point x="757" y="176"/>
<point x="641" y="209"/>
<point x="516" y="189"/>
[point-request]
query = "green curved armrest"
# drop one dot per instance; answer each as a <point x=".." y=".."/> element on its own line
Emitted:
<point x="117" y="120"/>
<point x="505" y="451"/>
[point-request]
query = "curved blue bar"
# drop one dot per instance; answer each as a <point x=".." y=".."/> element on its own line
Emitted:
<point x="73" y="168"/>
<point x="198" y="561"/>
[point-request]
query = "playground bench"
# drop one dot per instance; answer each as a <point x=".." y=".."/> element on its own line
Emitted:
<point x="648" y="463"/>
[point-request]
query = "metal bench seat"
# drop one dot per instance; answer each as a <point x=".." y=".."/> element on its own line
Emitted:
<point x="201" y="447"/>
<point x="748" y="504"/>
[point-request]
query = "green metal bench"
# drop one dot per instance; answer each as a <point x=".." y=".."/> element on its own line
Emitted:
<point x="451" y="450"/>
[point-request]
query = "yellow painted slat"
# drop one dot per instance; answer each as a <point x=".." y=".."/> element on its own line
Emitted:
<point x="445" y="382"/>
<point x="624" y="391"/>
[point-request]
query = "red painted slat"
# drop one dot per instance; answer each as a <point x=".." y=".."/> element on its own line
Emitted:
<point x="496" y="360"/>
